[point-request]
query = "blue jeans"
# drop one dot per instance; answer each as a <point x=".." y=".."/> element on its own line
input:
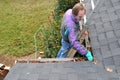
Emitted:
<point x="64" y="49"/>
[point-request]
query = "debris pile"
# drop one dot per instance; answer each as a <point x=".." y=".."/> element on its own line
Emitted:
<point x="3" y="71"/>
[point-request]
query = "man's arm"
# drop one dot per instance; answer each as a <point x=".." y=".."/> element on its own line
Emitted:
<point x="75" y="43"/>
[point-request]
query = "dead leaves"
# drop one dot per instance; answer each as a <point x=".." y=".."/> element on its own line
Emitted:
<point x="109" y="69"/>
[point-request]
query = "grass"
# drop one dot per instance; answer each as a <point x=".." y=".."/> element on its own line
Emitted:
<point x="19" y="19"/>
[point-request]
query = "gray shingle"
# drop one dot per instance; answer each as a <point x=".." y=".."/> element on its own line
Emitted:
<point x="81" y="76"/>
<point x="95" y="43"/>
<point x="114" y="45"/>
<point x="12" y="76"/>
<point x="84" y="64"/>
<point x="29" y="76"/>
<point x="69" y="65"/>
<point x="63" y="76"/>
<point x="117" y="10"/>
<point x="43" y="76"/>
<point x="116" y="7"/>
<point x="105" y="51"/>
<point x="91" y="30"/>
<point x="103" y="8"/>
<point x="108" y="61"/>
<point x="97" y="54"/>
<point x="118" y="13"/>
<point x="108" y="4"/>
<point x="114" y="79"/>
<point x="110" y="10"/>
<point x="115" y="51"/>
<point x="117" y="33"/>
<point x="105" y="18"/>
<point x="96" y="15"/>
<point x="53" y="76"/>
<point x="111" y="36"/>
<point x="118" y="70"/>
<point x="113" y="16"/>
<point x="57" y="70"/>
<point x="119" y="41"/>
<point x="116" y="3"/>
<point x="97" y="19"/>
<point x="91" y="71"/>
<point x="92" y="76"/>
<point x="103" y="13"/>
<point x="117" y="60"/>
<point x="116" y="24"/>
<point x="103" y="42"/>
<point x="73" y="76"/>
<point x="99" y="28"/>
<point x="107" y="26"/>
<point x="102" y="39"/>
<point x="113" y="1"/>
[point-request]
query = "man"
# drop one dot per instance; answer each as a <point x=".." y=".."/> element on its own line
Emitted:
<point x="70" y="30"/>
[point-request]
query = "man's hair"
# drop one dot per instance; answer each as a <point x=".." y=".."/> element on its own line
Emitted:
<point x="77" y="7"/>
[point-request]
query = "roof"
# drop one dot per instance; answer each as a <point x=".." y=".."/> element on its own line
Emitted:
<point x="60" y="71"/>
<point x="104" y="27"/>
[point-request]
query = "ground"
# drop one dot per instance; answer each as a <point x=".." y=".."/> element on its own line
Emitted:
<point x="9" y="60"/>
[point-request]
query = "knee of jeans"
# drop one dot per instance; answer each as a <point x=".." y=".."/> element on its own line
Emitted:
<point x="66" y="47"/>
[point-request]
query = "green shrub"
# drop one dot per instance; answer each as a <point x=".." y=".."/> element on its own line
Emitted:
<point x="50" y="39"/>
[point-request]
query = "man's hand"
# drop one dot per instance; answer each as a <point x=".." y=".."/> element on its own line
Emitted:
<point x="89" y="56"/>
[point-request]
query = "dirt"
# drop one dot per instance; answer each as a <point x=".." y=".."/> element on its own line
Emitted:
<point x="10" y="60"/>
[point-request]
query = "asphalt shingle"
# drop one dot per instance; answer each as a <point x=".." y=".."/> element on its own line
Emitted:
<point x="95" y="43"/>
<point x="116" y="24"/>
<point x="97" y="54"/>
<point x="117" y="60"/>
<point x="107" y="26"/>
<point x="91" y="29"/>
<point x="86" y="71"/>
<point x="117" y="11"/>
<point x="111" y="36"/>
<point x="117" y="33"/>
<point x="106" y="51"/>
<point x="108" y="61"/>
<point x="99" y="28"/>
<point x="109" y="13"/>
<point x="102" y="39"/>
<point x="115" y="51"/>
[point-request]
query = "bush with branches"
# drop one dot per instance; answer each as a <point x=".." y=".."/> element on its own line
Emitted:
<point x="62" y="6"/>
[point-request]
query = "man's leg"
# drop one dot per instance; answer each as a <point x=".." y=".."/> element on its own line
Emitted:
<point x="64" y="49"/>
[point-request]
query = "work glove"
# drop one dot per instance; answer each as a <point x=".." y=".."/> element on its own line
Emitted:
<point x="89" y="56"/>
